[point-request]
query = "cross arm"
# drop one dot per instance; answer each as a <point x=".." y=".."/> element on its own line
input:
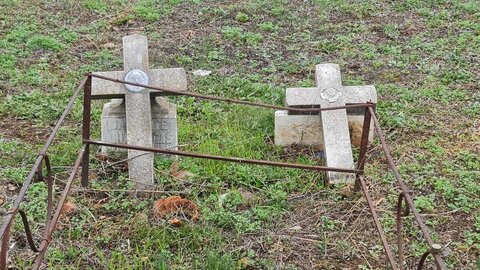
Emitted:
<point x="102" y="89"/>
<point x="169" y="79"/>
<point x="359" y="94"/>
<point x="303" y="97"/>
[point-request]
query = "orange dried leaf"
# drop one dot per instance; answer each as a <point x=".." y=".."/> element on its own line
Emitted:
<point x="174" y="205"/>
<point x="175" y="173"/>
<point x="182" y="175"/>
<point x="68" y="207"/>
<point x="377" y="203"/>
<point x="245" y="262"/>
<point x="175" y="222"/>
<point x="102" y="156"/>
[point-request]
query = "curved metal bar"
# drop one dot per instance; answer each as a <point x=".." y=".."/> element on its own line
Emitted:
<point x="58" y="211"/>
<point x="40" y="171"/>
<point x="28" y="232"/>
<point x="3" y="252"/>
<point x="423" y="259"/>
<point x="401" y="214"/>
<point x="6" y="236"/>
<point x="38" y="161"/>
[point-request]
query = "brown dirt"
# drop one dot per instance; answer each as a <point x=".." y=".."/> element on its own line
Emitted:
<point x="25" y="130"/>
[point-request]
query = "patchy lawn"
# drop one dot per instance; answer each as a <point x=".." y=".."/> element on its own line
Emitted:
<point x="421" y="55"/>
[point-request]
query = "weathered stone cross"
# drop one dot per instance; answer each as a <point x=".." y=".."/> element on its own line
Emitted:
<point x="329" y="92"/>
<point x="137" y="101"/>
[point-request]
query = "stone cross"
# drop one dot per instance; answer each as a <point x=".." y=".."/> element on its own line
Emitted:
<point x="330" y="92"/>
<point x="138" y="101"/>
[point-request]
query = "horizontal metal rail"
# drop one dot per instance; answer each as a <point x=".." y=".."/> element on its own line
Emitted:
<point x="221" y="158"/>
<point x="229" y="100"/>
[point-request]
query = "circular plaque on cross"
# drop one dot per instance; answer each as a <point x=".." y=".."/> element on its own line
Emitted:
<point x="136" y="76"/>
<point x="331" y="94"/>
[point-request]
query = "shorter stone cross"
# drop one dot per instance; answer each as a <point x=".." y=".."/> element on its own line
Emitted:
<point x="138" y="101"/>
<point x="329" y="92"/>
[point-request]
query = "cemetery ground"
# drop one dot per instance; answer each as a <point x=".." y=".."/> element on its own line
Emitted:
<point x="422" y="56"/>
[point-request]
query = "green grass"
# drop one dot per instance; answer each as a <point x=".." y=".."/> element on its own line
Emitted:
<point x="420" y="55"/>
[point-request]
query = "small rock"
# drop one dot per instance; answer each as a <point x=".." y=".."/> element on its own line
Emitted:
<point x="201" y="72"/>
<point x="295" y="228"/>
<point x="109" y="45"/>
<point x="246" y="195"/>
<point x="11" y="187"/>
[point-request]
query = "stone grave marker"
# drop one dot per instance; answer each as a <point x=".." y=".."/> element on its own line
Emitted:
<point x="331" y="130"/>
<point x="164" y="124"/>
<point x="139" y="118"/>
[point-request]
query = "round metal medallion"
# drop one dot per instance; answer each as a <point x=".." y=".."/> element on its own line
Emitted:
<point x="136" y="76"/>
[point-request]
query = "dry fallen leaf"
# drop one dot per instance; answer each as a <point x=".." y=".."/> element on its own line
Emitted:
<point x="11" y="187"/>
<point x="100" y="203"/>
<point x="182" y="175"/>
<point x="245" y="262"/>
<point x="346" y="191"/>
<point x="102" y="156"/>
<point x="377" y="203"/>
<point x="175" y="222"/>
<point x="68" y="207"/>
<point x="173" y="205"/>
<point x="2" y="200"/>
<point x="175" y="173"/>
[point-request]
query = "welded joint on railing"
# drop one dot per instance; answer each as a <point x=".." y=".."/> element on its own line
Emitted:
<point x="13" y="211"/>
<point x="435" y="249"/>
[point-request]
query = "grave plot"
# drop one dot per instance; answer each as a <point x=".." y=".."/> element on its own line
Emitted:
<point x="334" y="123"/>
<point x="134" y="122"/>
<point x="405" y="206"/>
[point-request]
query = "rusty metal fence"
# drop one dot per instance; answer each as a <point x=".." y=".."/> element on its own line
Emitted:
<point x="404" y="207"/>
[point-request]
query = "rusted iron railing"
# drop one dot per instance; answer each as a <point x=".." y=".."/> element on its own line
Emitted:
<point x="405" y="200"/>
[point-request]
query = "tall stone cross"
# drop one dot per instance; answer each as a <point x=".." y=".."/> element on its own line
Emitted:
<point x="137" y="101"/>
<point x="329" y="92"/>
